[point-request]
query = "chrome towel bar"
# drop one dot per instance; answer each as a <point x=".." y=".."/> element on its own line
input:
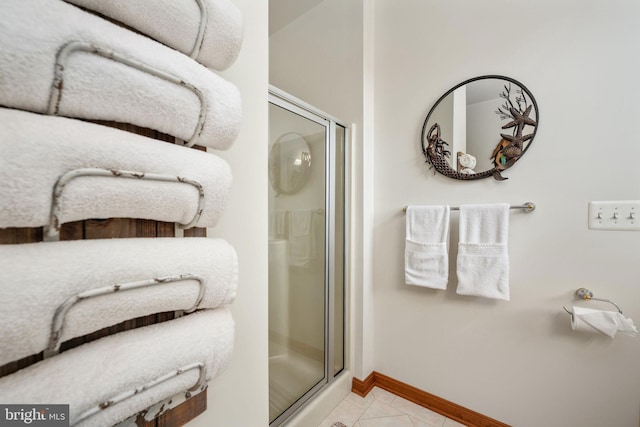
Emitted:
<point x="527" y="207"/>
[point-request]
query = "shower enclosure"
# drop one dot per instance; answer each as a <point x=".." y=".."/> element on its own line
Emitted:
<point x="307" y="151"/>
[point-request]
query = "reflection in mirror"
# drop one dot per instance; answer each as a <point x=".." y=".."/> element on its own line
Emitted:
<point x="480" y="128"/>
<point x="289" y="163"/>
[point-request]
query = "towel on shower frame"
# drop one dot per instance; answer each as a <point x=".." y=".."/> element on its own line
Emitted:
<point x="58" y="59"/>
<point x="89" y="376"/>
<point x="210" y="31"/>
<point x="38" y="279"/>
<point x="36" y="150"/>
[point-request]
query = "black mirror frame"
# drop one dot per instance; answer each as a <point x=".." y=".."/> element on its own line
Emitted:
<point x="433" y="146"/>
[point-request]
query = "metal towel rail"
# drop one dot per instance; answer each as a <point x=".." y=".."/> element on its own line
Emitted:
<point x="527" y="207"/>
<point x="141" y="388"/>
<point x="55" y="95"/>
<point x="52" y="232"/>
<point x="58" y="322"/>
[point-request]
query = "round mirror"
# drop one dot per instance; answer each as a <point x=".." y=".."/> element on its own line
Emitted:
<point x="289" y="163"/>
<point x="480" y="128"/>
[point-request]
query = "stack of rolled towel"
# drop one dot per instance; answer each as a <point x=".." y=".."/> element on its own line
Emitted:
<point x="68" y="67"/>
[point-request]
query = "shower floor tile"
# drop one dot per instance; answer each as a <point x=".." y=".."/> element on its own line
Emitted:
<point x="383" y="409"/>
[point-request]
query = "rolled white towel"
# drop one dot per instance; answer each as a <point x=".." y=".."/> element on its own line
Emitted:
<point x="58" y="59"/>
<point x="210" y="31"/>
<point x="467" y="161"/>
<point x="89" y="376"/>
<point x="38" y="279"/>
<point x="36" y="150"/>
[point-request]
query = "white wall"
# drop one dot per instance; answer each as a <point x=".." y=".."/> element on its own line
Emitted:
<point x="485" y="133"/>
<point x="240" y="396"/>
<point x="319" y="59"/>
<point x="517" y="361"/>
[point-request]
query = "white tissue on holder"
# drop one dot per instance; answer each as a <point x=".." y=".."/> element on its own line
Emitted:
<point x="607" y="322"/>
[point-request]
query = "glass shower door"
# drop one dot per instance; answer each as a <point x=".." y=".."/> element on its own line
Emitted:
<point x="296" y="257"/>
<point x="306" y="254"/>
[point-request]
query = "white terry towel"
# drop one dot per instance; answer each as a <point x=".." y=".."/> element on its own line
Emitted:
<point x="210" y="31"/>
<point x="426" y="254"/>
<point x="94" y="373"/>
<point x="36" y="150"/>
<point x="483" y="257"/>
<point x="277" y="221"/>
<point x="38" y="278"/>
<point x="300" y="237"/>
<point x="606" y="322"/>
<point x="198" y="106"/>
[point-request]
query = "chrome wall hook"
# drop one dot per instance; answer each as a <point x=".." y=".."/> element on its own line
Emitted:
<point x="584" y="293"/>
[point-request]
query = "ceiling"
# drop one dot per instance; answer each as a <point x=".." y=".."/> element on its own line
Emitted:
<point x="283" y="12"/>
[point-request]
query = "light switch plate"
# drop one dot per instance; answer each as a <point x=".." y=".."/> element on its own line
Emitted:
<point x="621" y="215"/>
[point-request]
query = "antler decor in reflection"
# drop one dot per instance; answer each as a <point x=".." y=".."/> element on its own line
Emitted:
<point x="510" y="148"/>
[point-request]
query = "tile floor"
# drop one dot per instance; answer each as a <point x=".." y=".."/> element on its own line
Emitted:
<point x="383" y="409"/>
